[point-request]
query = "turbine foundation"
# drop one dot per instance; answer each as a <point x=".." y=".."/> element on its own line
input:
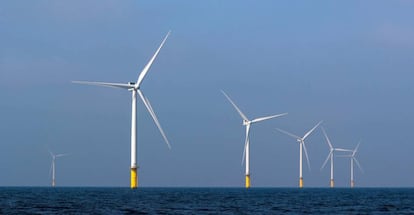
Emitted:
<point x="301" y="182"/>
<point x="352" y="183"/>
<point x="332" y="183"/>
<point x="134" y="178"/>
<point x="247" y="181"/>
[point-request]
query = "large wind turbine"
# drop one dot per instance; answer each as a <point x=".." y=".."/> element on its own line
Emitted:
<point x="353" y="158"/>
<point x="135" y="89"/>
<point x="53" y="166"/>
<point x="247" y="123"/>
<point x="331" y="156"/>
<point x="302" y="147"/>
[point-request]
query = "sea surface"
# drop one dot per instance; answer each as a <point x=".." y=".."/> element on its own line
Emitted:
<point x="46" y="200"/>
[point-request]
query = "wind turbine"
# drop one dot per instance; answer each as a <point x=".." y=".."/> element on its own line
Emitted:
<point x="353" y="158"/>
<point x="331" y="156"/>
<point x="53" y="166"/>
<point x="302" y="147"/>
<point x="247" y="123"/>
<point x="135" y="89"/>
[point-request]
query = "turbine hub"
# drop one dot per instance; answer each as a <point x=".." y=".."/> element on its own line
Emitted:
<point x="131" y="83"/>
<point x="245" y="122"/>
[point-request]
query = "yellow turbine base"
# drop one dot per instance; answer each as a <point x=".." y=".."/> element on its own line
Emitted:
<point x="300" y="182"/>
<point x="247" y="181"/>
<point x="352" y="184"/>
<point x="134" y="178"/>
<point x="332" y="183"/>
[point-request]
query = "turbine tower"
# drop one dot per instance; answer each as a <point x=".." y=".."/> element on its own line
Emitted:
<point x="247" y="123"/>
<point x="135" y="89"/>
<point x="53" y="166"/>
<point x="302" y="147"/>
<point x="331" y="156"/>
<point x="353" y="158"/>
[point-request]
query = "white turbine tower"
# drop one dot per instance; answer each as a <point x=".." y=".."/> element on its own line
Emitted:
<point x="331" y="156"/>
<point x="53" y="166"/>
<point x="353" y="158"/>
<point x="247" y="123"/>
<point x="135" y="89"/>
<point x="302" y="147"/>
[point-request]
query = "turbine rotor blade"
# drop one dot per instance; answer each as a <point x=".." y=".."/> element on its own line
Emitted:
<point x="290" y="134"/>
<point x="342" y="150"/>
<point x="61" y="155"/>
<point x="326" y="161"/>
<point x="306" y="154"/>
<point x="310" y="131"/>
<point x="268" y="117"/>
<point x="327" y="138"/>
<point x="50" y="169"/>
<point x="344" y="156"/>
<point x="246" y="142"/>
<point x="358" y="164"/>
<point x="105" y="84"/>
<point x="148" y="66"/>
<point x="51" y="154"/>
<point x="235" y="106"/>
<point x="154" y="117"/>
<point x="356" y="149"/>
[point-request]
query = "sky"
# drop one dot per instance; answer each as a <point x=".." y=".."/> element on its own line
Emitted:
<point x="348" y="63"/>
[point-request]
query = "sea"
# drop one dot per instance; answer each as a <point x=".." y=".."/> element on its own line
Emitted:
<point x="78" y="200"/>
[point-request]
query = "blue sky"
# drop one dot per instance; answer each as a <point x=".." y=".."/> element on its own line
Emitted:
<point x="347" y="63"/>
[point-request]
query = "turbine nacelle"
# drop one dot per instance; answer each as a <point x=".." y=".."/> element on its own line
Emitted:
<point x="246" y="122"/>
<point x="132" y="86"/>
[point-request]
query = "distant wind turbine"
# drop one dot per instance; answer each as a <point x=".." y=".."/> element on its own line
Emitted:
<point x="53" y="166"/>
<point x="302" y="147"/>
<point x="247" y="123"/>
<point x="135" y="89"/>
<point x="331" y="156"/>
<point x="353" y="158"/>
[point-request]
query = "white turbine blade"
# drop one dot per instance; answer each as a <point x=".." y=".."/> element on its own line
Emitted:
<point x="61" y="155"/>
<point x="245" y="143"/>
<point x="235" y="106"/>
<point x="356" y="149"/>
<point x="51" y="153"/>
<point x="327" y="138"/>
<point x="306" y="154"/>
<point x="310" y="131"/>
<point x="285" y="132"/>
<point x="358" y="164"/>
<point x="342" y="150"/>
<point x="105" y="84"/>
<point x="50" y="170"/>
<point x="267" y="117"/>
<point x="154" y="117"/>
<point x="326" y="161"/>
<point x="148" y="66"/>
